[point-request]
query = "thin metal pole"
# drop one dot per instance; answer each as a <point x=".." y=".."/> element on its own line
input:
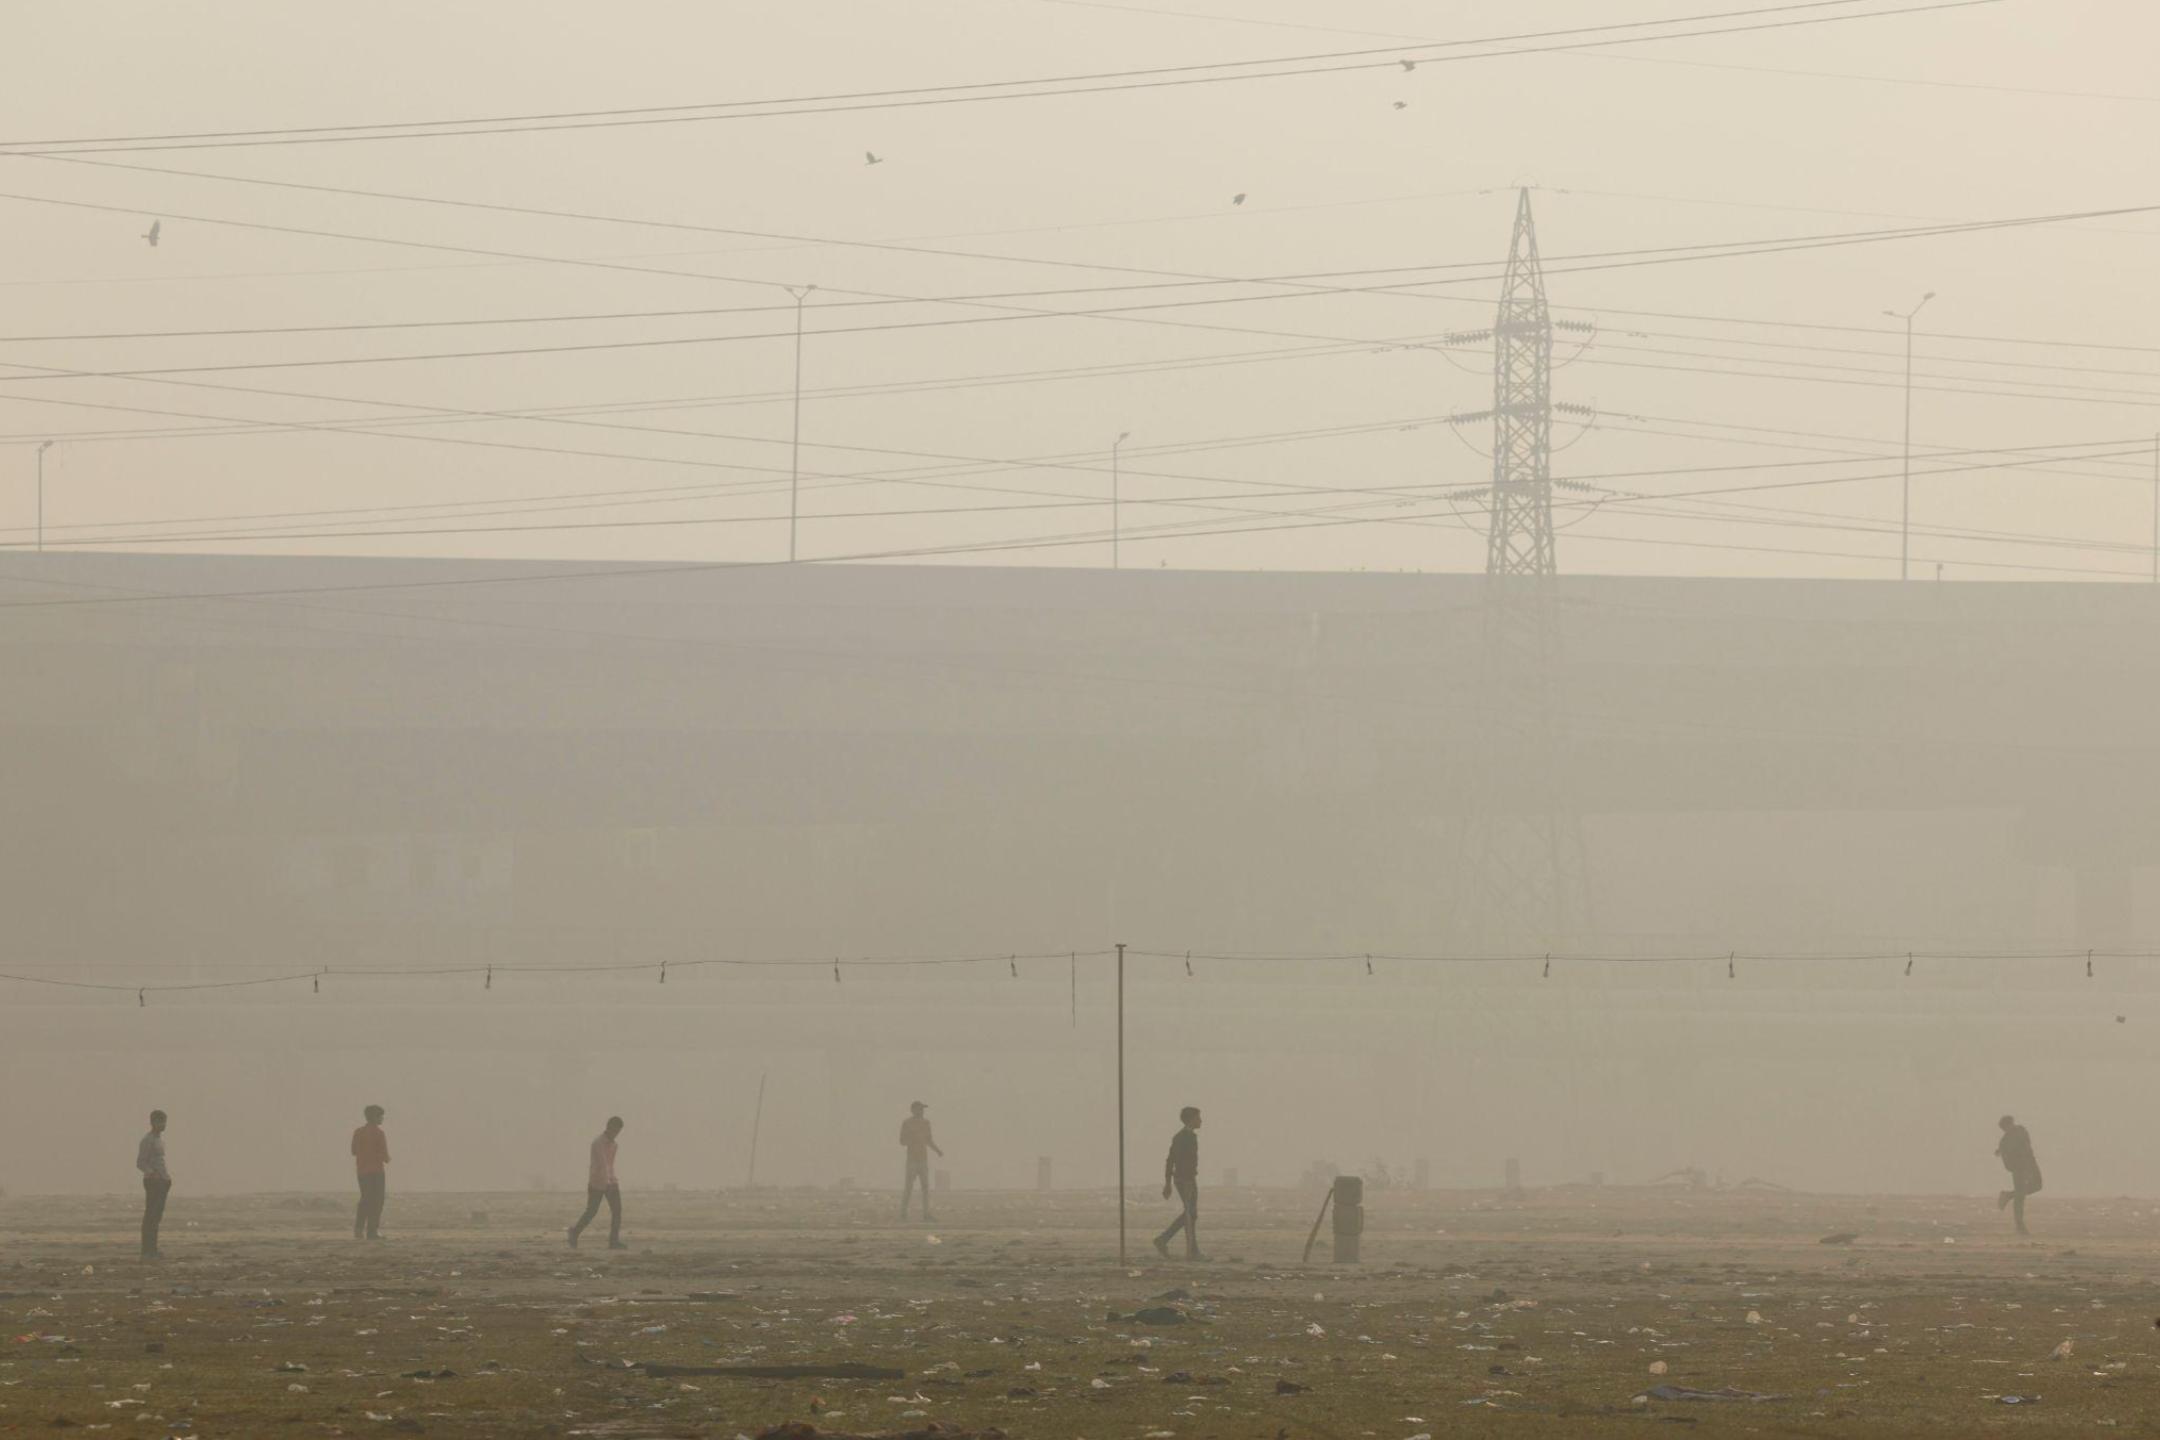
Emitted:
<point x="41" y="449"/>
<point x="794" y="486"/>
<point x="756" y="1124"/>
<point x="2156" y="511"/>
<point x="1904" y="565"/>
<point x="1904" y="568"/>
<point x="1121" y="1102"/>
<point x="1115" y="514"/>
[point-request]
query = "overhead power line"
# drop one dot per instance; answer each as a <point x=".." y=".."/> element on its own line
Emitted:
<point x="1412" y="287"/>
<point x="1092" y="537"/>
<point x="1762" y="18"/>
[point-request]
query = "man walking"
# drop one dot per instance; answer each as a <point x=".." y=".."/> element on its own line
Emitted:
<point x="1181" y="1172"/>
<point x="371" y="1154"/>
<point x="2016" y="1151"/>
<point x="915" y="1139"/>
<point x="156" y="1183"/>
<point x="600" y="1185"/>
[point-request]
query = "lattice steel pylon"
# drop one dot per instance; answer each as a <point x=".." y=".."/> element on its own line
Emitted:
<point x="1526" y="873"/>
<point x="1520" y="538"/>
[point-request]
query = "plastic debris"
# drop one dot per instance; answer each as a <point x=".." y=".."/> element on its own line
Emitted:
<point x="1686" y="1392"/>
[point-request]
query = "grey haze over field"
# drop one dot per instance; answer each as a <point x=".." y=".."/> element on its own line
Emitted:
<point x="401" y="645"/>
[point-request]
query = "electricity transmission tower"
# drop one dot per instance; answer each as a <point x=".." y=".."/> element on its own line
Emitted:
<point x="1519" y="541"/>
<point x="1525" y="875"/>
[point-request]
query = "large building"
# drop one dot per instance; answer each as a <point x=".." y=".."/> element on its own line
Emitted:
<point x="225" y="767"/>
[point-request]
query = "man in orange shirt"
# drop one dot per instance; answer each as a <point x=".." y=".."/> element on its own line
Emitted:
<point x="371" y="1154"/>
<point x="600" y="1185"/>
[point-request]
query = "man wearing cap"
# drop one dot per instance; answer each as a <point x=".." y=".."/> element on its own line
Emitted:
<point x="915" y="1139"/>
<point x="371" y="1159"/>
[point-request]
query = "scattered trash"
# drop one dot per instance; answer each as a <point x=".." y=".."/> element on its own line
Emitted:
<point x="1658" y="1367"/>
<point x="1842" y="1237"/>
<point x="1291" y="1387"/>
<point x="2062" y="1351"/>
<point x="1754" y="1317"/>
<point x="2017" y="1399"/>
<point x="842" y="1370"/>
<point x="1686" y="1392"/>
<point x="1152" y="1315"/>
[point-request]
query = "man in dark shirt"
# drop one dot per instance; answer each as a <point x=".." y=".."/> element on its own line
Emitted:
<point x="156" y="1183"/>
<point x="371" y="1158"/>
<point x="1181" y="1172"/>
<point x="2016" y="1151"/>
<point x="915" y="1139"/>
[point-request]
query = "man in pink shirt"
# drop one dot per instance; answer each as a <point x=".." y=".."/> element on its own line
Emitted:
<point x="600" y="1185"/>
<point x="371" y="1158"/>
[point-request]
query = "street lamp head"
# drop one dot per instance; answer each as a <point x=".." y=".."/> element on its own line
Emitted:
<point x="43" y="446"/>
<point x="1123" y="436"/>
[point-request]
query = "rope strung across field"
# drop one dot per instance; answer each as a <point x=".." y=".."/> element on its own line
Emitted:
<point x="1010" y="960"/>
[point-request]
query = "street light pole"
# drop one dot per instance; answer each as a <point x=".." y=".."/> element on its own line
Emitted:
<point x="1904" y="571"/>
<point x="794" y="485"/>
<point x="41" y="449"/>
<point x="1115" y="446"/>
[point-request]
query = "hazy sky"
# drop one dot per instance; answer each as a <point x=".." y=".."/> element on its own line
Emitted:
<point x="2020" y="108"/>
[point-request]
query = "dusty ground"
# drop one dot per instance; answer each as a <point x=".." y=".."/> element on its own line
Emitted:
<point x="1471" y="1315"/>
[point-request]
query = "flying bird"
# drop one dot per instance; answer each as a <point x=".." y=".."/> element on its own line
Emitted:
<point x="871" y="157"/>
<point x="1402" y="104"/>
<point x="1407" y="64"/>
<point x="151" y="234"/>
<point x="1238" y="199"/>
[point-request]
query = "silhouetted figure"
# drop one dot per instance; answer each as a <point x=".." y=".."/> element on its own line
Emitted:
<point x="156" y="1183"/>
<point x="371" y="1154"/>
<point x="1181" y="1172"/>
<point x="2017" y="1157"/>
<point x="600" y="1185"/>
<point x="915" y="1139"/>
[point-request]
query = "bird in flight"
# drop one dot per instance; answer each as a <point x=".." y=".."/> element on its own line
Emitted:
<point x="1407" y="64"/>
<point x="871" y="157"/>
<point x="151" y="234"/>
<point x="1238" y="199"/>
<point x="1402" y="104"/>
